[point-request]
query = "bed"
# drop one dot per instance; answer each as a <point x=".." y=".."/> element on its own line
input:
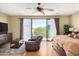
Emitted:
<point x="70" y="45"/>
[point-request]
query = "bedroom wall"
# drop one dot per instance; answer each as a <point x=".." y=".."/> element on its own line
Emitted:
<point x="75" y="20"/>
<point x="63" y="20"/>
<point x="5" y="19"/>
<point x="15" y="27"/>
<point x="13" y="24"/>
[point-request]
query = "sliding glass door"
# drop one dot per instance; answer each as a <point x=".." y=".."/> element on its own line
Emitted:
<point x="39" y="27"/>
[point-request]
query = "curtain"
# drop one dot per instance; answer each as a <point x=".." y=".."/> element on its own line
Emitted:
<point x="57" y="25"/>
<point x="52" y="30"/>
<point x="27" y="29"/>
<point x="21" y="28"/>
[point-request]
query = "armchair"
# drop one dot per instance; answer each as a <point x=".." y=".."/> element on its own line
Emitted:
<point x="33" y="44"/>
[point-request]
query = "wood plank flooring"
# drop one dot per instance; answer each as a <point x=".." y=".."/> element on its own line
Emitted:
<point x="45" y="50"/>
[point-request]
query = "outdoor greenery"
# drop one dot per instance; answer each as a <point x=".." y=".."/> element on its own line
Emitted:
<point x="41" y="31"/>
<point x="48" y="31"/>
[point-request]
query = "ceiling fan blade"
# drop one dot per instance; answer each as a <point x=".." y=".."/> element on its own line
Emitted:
<point x="34" y="12"/>
<point x="38" y="11"/>
<point x="30" y="8"/>
<point x="42" y="12"/>
<point x="48" y="9"/>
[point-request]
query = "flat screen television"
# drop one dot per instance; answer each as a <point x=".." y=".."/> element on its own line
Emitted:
<point x="3" y="28"/>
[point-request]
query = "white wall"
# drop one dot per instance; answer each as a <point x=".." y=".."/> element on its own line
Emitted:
<point x="15" y="27"/>
<point x="3" y="18"/>
<point x="63" y="20"/>
<point x="75" y="20"/>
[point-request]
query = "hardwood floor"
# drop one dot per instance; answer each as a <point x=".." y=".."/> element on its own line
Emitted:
<point x="45" y="50"/>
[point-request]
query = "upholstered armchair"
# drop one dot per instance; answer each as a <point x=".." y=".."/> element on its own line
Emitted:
<point x="33" y="44"/>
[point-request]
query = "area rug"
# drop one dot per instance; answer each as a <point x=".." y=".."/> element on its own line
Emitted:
<point x="12" y="51"/>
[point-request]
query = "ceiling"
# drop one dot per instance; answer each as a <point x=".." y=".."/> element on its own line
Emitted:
<point x="19" y="9"/>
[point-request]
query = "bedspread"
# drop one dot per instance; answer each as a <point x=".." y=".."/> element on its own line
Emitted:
<point x="70" y="45"/>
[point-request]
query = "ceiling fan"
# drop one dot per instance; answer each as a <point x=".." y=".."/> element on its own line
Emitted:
<point x="40" y="8"/>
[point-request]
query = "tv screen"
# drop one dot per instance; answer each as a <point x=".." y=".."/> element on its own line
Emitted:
<point x="3" y="28"/>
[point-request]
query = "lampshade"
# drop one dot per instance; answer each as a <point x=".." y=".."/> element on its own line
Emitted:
<point x="70" y="29"/>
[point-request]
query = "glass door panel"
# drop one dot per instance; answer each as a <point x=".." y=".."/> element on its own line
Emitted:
<point x="39" y="28"/>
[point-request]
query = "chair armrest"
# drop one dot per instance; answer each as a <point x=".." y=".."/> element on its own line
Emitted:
<point x="32" y="40"/>
<point x="30" y="43"/>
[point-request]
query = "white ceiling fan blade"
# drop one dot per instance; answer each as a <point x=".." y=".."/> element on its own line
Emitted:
<point x="34" y="12"/>
<point x="30" y="8"/>
<point x="39" y="11"/>
<point x="48" y="9"/>
<point x="42" y="12"/>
